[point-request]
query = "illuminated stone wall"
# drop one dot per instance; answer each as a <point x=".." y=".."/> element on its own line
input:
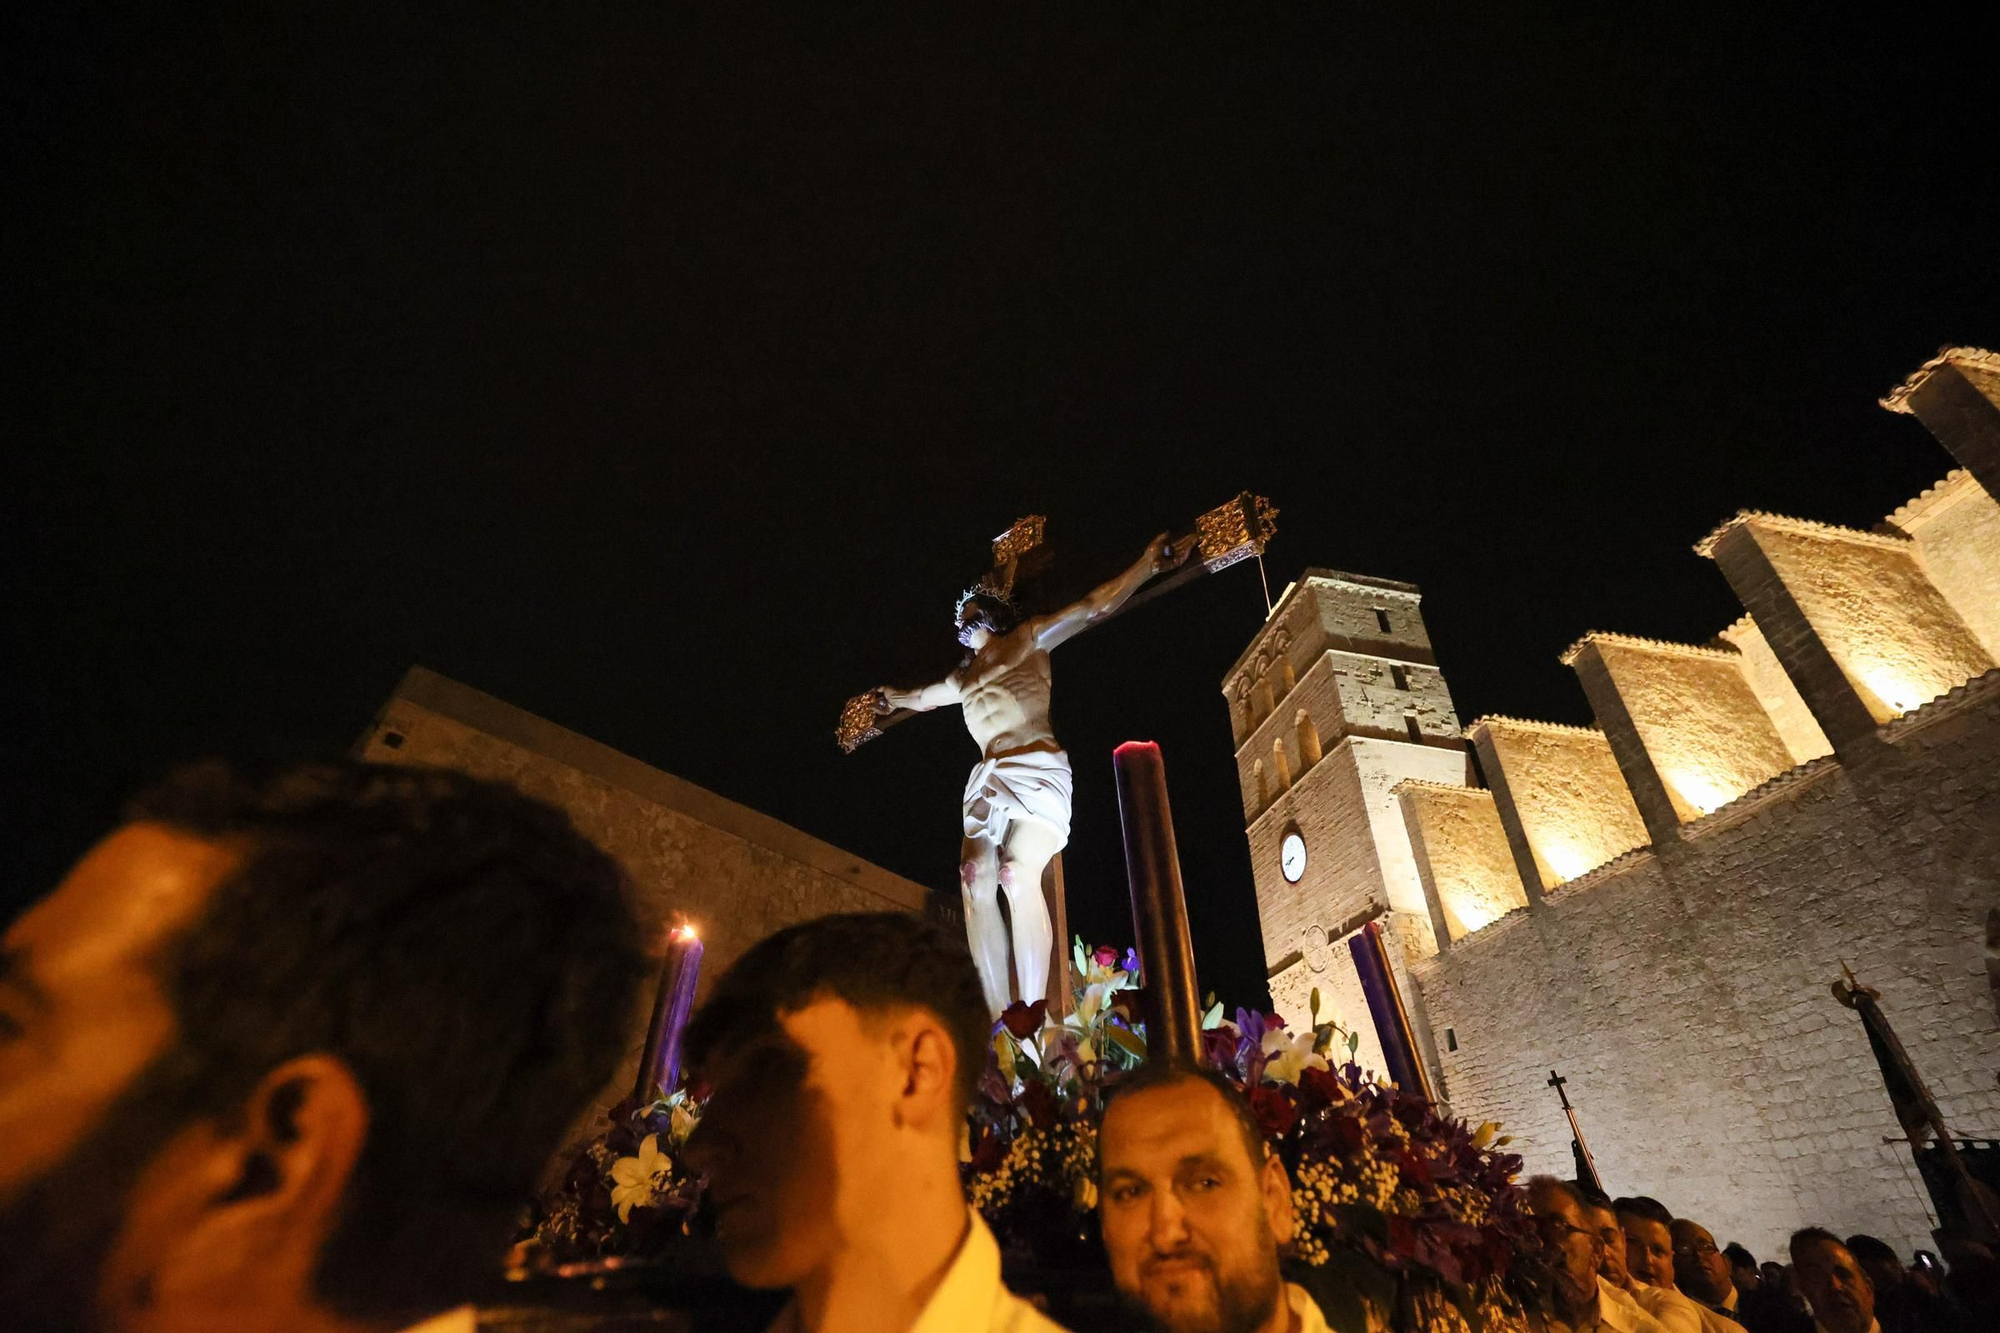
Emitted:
<point x="1892" y="633"/>
<point x="1701" y="724"/>
<point x="1685" y="995"/>
<point x="1461" y="853"/>
<point x="736" y="874"/>
<point x="1775" y="692"/>
<point x="1956" y="527"/>
<point x="1572" y="802"/>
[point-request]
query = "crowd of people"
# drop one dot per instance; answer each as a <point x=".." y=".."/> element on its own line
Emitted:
<point x="284" y="1053"/>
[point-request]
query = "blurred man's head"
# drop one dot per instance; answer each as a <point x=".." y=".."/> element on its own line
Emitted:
<point x="1649" y="1244"/>
<point x="841" y="1054"/>
<point x="1742" y="1267"/>
<point x="1881" y="1263"/>
<point x="1841" y="1297"/>
<point x="1611" y="1237"/>
<point x="1700" y="1270"/>
<point x="1570" y="1245"/>
<point x="298" y="1043"/>
<point x="1193" y="1202"/>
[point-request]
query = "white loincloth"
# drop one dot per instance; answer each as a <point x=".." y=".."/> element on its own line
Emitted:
<point x="1035" y="784"/>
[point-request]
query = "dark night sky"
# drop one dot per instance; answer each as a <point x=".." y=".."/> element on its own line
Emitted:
<point x="668" y="380"/>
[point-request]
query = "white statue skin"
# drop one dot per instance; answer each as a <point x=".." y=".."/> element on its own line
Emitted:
<point x="1003" y="693"/>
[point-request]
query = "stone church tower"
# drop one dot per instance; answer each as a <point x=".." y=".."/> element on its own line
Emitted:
<point x="1657" y="904"/>
<point x="1335" y="702"/>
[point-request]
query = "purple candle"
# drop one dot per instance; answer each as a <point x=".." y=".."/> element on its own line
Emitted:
<point x="660" y="1066"/>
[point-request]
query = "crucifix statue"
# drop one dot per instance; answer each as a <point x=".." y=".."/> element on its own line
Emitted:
<point x="1016" y="806"/>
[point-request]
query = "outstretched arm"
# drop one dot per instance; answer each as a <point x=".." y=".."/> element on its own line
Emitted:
<point x="888" y="698"/>
<point x="1104" y="600"/>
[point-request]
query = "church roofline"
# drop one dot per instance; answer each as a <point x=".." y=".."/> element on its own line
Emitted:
<point x="1898" y="399"/>
<point x="1569" y="655"/>
<point x="1502" y="722"/>
<point x="1803" y="527"/>
<point x="473" y="708"/>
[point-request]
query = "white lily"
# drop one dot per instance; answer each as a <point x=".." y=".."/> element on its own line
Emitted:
<point x="1286" y="1057"/>
<point x="633" y="1177"/>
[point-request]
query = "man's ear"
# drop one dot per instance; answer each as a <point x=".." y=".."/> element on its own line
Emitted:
<point x="1277" y="1186"/>
<point x="266" y="1186"/>
<point x="929" y="1067"/>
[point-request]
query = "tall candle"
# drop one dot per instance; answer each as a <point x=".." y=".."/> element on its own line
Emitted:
<point x="1159" y="905"/>
<point x="660" y="1066"/>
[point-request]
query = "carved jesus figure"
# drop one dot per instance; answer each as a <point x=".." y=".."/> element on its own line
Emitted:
<point x="1017" y="802"/>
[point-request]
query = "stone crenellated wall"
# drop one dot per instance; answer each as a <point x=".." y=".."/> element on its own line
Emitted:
<point x="1956" y="528"/>
<point x="1775" y="692"/>
<point x="1866" y="596"/>
<point x="1463" y="861"/>
<point x="1685" y="996"/>
<point x="1702" y="726"/>
<point x="1568" y="800"/>
<point x="1657" y="905"/>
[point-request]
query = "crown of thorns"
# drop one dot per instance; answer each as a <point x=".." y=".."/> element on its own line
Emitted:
<point x="980" y="589"/>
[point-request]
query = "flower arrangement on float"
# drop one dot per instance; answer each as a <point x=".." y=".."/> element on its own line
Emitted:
<point x="1408" y="1215"/>
<point x="1407" y="1218"/>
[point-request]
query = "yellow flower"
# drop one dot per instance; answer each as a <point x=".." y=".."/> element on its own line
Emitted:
<point x="633" y="1177"/>
<point x="680" y="1124"/>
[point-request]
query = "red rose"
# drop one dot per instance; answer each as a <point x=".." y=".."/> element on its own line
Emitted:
<point x="1104" y="955"/>
<point x="1274" y="1109"/>
<point x="1025" y="1020"/>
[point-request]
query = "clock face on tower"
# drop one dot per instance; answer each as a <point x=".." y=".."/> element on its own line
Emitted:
<point x="1292" y="856"/>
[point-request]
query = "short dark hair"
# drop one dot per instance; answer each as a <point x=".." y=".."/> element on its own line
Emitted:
<point x="1869" y="1247"/>
<point x="873" y="961"/>
<point x="1172" y="1073"/>
<point x="1640" y="1206"/>
<point x="1805" y="1236"/>
<point x="460" y="947"/>
<point x="1738" y="1256"/>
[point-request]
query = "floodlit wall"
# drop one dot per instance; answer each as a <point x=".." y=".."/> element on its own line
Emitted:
<point x="1566" y="790"/>
<point x="1702" y="726"/>
<point x="1888" y="628"/>
<point x="1685" y="997"/>
<point x="1461" y="854"/>
<point x="1775" y="692"/>
<point x="1956" y="527"/>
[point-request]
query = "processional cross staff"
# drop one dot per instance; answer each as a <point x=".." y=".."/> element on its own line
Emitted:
<point x="1016" y="804"/>
<point x="1586" y="1165"/>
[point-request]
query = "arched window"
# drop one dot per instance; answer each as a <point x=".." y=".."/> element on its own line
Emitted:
<point x="1260" y="702"/>
<point x="1308" y="741"/>
<point x="1287" y="678"/>
<point x="1279" y="765"/>
<point x="1263" y="792"/>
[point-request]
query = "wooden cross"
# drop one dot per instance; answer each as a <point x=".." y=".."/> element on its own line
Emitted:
<point x="1220" y="538"/>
